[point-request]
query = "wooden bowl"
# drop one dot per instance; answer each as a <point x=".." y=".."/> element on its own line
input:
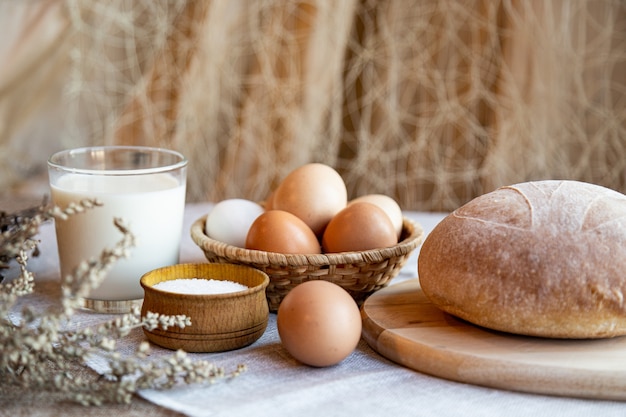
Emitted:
<point x="219" y="322"/>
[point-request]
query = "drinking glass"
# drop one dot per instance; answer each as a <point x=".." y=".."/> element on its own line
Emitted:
<point x="143" y="186"/>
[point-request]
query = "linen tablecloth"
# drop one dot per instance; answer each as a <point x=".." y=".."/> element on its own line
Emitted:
<point x="275" y="384"/>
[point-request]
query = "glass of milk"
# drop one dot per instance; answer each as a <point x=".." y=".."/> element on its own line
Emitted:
<point x="143" y="186"/>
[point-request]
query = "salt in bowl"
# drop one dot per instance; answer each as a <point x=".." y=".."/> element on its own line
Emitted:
<point x="219" y="322"/>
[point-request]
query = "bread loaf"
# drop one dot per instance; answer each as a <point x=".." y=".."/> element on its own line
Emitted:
<point x="545" y="258"/>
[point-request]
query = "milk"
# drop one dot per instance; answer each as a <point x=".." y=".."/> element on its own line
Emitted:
<point x="151" y="205"/>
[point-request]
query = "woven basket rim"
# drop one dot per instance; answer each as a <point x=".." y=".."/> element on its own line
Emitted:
<point x="412" y="231"/>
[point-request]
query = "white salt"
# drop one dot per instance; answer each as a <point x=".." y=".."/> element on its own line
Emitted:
<point x="199" y="286"/>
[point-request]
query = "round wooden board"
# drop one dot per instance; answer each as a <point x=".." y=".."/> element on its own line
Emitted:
<point x="401" y="324"/>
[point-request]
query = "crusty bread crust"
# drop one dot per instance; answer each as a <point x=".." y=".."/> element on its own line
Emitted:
<point x="545" y="258"/>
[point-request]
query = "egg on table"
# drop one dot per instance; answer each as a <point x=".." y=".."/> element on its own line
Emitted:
<point x="319" y="323"/>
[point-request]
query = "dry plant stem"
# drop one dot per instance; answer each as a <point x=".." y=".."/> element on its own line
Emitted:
<point x="39" y="352"/>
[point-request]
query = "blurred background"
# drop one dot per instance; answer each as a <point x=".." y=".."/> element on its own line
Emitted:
<point x="432" y="102"/>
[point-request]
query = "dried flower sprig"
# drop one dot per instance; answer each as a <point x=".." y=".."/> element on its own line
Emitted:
<point x="41" y="351"/>
<point x="16" y="233"/>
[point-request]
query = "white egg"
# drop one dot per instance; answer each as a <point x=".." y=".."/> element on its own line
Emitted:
<point x="230" y="220"/>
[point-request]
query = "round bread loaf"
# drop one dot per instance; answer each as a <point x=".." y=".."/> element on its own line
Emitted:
<point x="545" y="258"/>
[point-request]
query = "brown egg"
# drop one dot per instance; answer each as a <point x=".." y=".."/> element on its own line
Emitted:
<point x="319" y="323"/>
<point x="282" y="232"/>
<point x="388" y="204"/>
<point x="360" y="226"/>
<point x="314" y="193"/>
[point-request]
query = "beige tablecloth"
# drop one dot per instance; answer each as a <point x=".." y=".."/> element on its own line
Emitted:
<point x="275" y="384"/>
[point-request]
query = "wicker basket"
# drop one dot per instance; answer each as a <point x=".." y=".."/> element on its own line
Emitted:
<point x="359" y="273"/>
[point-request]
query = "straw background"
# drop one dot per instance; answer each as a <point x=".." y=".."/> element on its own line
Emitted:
<point x="432" y="102"/>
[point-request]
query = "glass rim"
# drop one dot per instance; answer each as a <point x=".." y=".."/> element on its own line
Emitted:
<point x="181" y="163"/>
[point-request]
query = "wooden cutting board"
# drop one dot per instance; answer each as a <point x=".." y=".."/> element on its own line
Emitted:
<point x="401" y="324"/>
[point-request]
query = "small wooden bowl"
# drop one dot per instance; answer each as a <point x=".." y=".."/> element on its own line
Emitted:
<point x="219" y="322"/>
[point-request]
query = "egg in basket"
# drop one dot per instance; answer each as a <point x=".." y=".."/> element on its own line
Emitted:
<point x="307" y="230"/>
